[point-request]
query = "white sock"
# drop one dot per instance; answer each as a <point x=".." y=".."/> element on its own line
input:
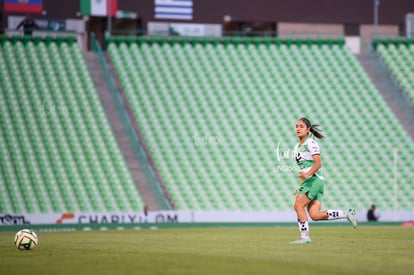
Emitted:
<point x="336" y="214"/>
<point x="303" y="229"/>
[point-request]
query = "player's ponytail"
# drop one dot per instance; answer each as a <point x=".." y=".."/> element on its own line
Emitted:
<point x="313" y="128"/>
<point x="315" y="131"/>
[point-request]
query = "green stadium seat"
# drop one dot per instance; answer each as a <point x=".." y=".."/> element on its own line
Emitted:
<point x="60" y="140"/>
<point x="398" y="55"/>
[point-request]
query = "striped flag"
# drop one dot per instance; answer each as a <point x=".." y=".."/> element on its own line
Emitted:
<point x="174" y="9"/>
<point x="29" y="6"/>
<point x="98" y="7"/>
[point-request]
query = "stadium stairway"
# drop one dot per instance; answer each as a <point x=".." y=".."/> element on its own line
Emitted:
<point x="166" y="196"/>
<point x="164" y="190"/>
<point x="116" y="124"/>
<point x="389" y="90"/>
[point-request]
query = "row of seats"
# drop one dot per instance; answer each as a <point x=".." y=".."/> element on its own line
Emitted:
<point x="223" y="40"/>
<point x="58" y="152"/>
<point x="213" y="115"/>
<point x="398" y="55"/>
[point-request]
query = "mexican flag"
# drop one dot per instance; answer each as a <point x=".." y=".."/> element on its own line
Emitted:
<point x="99" y="7"/>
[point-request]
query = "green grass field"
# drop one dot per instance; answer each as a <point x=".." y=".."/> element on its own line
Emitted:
<point x="239" y="250"/>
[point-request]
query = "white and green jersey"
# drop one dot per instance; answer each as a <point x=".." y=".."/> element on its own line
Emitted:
<point x="304" y="155"/>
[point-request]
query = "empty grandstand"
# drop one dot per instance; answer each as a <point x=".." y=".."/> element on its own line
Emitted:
<point x="214" y="112"/>
<point x="217" y="116"/>
<point x="58" y="152"/>
<point x="398" y="55"/>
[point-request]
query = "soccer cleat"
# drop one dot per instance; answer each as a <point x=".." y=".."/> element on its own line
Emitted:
<point x="351" y="217"/>
<point x="301" y="241"/>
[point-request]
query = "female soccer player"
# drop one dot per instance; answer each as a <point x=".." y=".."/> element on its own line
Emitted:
<point x="310" y="191"/>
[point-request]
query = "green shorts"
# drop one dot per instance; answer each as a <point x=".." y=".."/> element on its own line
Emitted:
<point x="313" y="187"/>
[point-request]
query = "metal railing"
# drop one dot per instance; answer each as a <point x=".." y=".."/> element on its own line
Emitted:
<point x="133" y="137"/>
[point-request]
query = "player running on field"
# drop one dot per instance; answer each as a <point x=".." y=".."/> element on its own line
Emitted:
<point x="310" y="191"/>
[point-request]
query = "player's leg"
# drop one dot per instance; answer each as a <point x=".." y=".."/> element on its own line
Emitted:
<point x="314" y="209"/>
<point x="315" y="194"/>
<point x="301" y="202"/>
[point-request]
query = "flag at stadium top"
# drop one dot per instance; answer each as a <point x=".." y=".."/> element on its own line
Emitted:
<point x="99" y="7"/>
<point x="25" y="6"/>
<point x="174" y="9"/>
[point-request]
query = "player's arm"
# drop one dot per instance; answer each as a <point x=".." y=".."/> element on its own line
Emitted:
<point x="317" y="164"/>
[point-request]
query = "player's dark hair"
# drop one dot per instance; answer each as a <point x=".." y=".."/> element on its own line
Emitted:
<point x="313" y="128"/>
